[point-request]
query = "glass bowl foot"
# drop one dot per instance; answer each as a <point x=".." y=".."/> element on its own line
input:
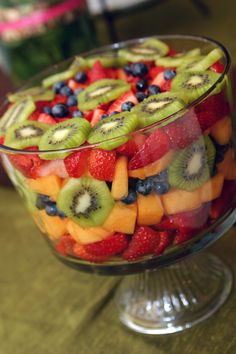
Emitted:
<point x="174" y="298"/>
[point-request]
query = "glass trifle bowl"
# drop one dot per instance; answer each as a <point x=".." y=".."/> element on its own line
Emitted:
<point x="125" y="158"/>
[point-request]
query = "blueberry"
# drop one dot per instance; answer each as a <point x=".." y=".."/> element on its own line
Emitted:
<point x="131" y="197"/>
<point x="144" y="187"/>
<point x="42" y="201"/>
<point x="219" y="156"/>
<point x="60" y="110"/>
<point x="169" y="74"/>
<point x="133" y="182"/>
<point x="128" y="70"/>
<point x="77" y="114"/>
<point x="161" y="187"/>
<point x="58" y="86"/>
<point x="78" y="90"/>
<point x="113" y="113"/>
<point x="51" y="209"/>
<point x="141" y="85"/>
<point x="61" y="214"/>
<point x="153" y="90"/>
<point x="66" y="91"/>
<point x="81" y="77"/>
<point x="104" y="116"/>
<point x="126" y="106"/>
<point x="141" y="96"/>
<point x="161" y="177"/>
<point x="214" y="171"/>
<point x="47" y="110"/>
<point x="72" y="101"/>
<point x="139" y="69"/>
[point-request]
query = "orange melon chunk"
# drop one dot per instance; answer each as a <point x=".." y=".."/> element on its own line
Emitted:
<point x="54" y="226"/>
<point x="119" y="187"/>
<point x="211" y="189"/>
<point x="150" y="209"/>
<point x="227" y="165"/>
<point x="222" y="131"/>
<point x="178" y="200"/>
<point x="48" y="185"/>
<point x="122" y="218"/>
<point x="153" y="168"/>
<point x="88" y="235"/>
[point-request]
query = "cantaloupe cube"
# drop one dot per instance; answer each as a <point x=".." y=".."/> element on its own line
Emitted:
<point x="153" y="168"/>
<point x="38" y="221"/>
<point x="119" y="188"/>
<point x="54" y="226"/>
<point x="122" y="218"/>
<point x="179" y="200"/>
<point x="226" y="166"/>
<point x="150" y="209"/>
<point x="222" y="130"/>
<point x="88" y="235"/>
<point x="48" y="185"/>
<point x="211" y="189"/>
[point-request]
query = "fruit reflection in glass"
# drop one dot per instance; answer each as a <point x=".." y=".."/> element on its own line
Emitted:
<point x="126" y="161"/>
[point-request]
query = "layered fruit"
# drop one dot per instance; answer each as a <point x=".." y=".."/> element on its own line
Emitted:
<point x="124" y="154"/>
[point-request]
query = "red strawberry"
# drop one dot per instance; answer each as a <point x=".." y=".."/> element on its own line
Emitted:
<point x="144" y="241"/>
<point x="184" y="131"/>
<point x="153" y="72"/>
<point x="54" y="167"/>
<point x="28" y="165"/>
<point x="97" y="113"/>
<point x="111" y="73"/>
<point x="122" y="75"/>
<point x="74" y="85"/>
<point x="218" y="67"/>
<point x="132" y="146"/>
<point x="220" y="205"/>
<point x="2" y="140"/>
<point x="158" y="80"/>
<point x="166" y="86"/>
<point x="59" y="99"/>
<point x="65" y="245"/>
<point x="182" y="236"/>
<point x="79" y="251"/>
<point x="172" y="52"/>
<point x="46" y="118"/>
<point x="35" y="115"/>
<point x="156" y="145"/>
<point x="41" y="104"/>
<point x="76" y="163"/>
<point x="116" y="105"/>
<point x="88" y="115"/>
<point x="112" y="245"/>
<point x="191" y="220"/>
<point x="101" y="164"/>
<point x="166" y="239"/>
<point x="166" y="223"/>
<point x="97" y="72"/>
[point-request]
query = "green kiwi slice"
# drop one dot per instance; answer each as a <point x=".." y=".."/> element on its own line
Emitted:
<point x="157" y="107"/>
<point x="85" y="200"/>
<point x="202" y="63"/>
<point x="192" y="166"/>
<point x="194" y="84"/>
<point x="179" y="59"/>
<point x="150" y="49"/>
<point x="25" y="134"/>
<point x="101" y="91"/>
<point x="112" y="132"/>
<point x="18" y="112"/>
<point x="108" y="60"/>
<point x="68" y="134"/>
<point x="37" y="93"/>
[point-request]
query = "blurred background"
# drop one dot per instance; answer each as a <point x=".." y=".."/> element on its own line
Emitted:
<point x="35" y="34"/>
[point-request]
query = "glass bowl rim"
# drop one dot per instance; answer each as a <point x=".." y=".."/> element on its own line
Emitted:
<point x="116" y="46"/>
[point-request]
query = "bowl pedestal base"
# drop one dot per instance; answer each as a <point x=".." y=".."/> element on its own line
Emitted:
<point x="173" y="298"/>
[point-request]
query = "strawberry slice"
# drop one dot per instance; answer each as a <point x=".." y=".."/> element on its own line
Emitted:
<point x="35" y="115"/>
<point x="111" y="73"/>
<point x="28" y="165"/>
<point x="155" y="146"/>
<point x="76" y="163"/>
<point x="2" y="140"/>
<point x="101" y="164"/>
<point x="121" y="75"/>
<point x="97" y="116"/>
<point x="80" y="251"/>
<point x="74" y="85"/>
<point x="41" y="104"/>
<point x="126" y="97"/>
<point x="54" y="167"/>
<point x="144" y="241"/>
<point x="183" y="131"/>
<point x="59" y="99"/>
<point x="46" y="118"/>
<point x="218" y="67"/>
<point x="182" y="236"/>
<point x="166" y="239"/>
<point x="159" y="80"/>
<point x="132" y="146"/>
<point x="153" y="72"/>
<point x="97" y="72"/>
<point x="112" y="245"/>
<point x="172" y="52"/>
<point x="65" y="245"/>
<point x="220" y="205"/>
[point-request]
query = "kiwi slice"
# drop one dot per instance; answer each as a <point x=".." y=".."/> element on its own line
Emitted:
<point x="18" y="112"/>
<point x="101" y="91"/>
<point x="37" y="93"/>
<point x="157" y="107"/>
<point x="202" y="63"/>
<point x="192" y="166"/>
<point x="112" y="132"/>
<point x="68" y="134"/>
<point x="179" y="59"/>
<point x="86" y="200"/>
<point x="25" y="134"/>
<point x="108" y="60"/>
<point x="148" y="50"/>
<point x="194" y="84"/>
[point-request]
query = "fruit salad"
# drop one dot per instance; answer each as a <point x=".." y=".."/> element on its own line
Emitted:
<point x="126" y="153"/>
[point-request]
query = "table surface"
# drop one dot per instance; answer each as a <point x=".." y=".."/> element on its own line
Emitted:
<point x="48" y="308"/>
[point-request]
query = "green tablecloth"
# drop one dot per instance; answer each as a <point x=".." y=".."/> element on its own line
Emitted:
<point x="47" y="308"/>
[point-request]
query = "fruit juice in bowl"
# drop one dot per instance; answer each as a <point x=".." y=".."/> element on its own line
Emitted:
<point x="125" y="156"/>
